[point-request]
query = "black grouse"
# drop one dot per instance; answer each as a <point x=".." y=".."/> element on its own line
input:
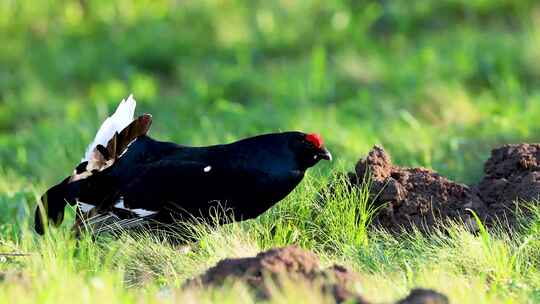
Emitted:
<point x="128" y="179"/>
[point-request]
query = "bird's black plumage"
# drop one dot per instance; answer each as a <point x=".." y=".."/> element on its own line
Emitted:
<point x="163" y="182"/>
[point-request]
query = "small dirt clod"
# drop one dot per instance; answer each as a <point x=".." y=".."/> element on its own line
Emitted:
<point x="424" y="296"/>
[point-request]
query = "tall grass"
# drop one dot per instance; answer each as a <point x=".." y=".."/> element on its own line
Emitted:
<point x="489" y="267"/>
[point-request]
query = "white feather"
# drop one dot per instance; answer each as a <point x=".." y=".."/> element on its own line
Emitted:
<point x="85" y="207"/>
<point x="120" y="204"/>
<point x="139" y="211"/>
<point x="121" y="118"/>
<point x="143" y="212"/>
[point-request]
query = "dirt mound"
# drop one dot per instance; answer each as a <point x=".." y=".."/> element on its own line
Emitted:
<point x="418" y="197"/>
<point x="413" y="196"/>
<point x="270" y="268"/>
<point x="273" y="266"/>
<point x="424" y="296"/>
<point x="512" y="173"/>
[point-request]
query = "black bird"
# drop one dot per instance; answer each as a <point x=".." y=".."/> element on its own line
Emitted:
<point x="128" y="179"/>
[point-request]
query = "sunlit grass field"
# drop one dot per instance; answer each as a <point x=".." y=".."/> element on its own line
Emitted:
<point x="437" y="83"/>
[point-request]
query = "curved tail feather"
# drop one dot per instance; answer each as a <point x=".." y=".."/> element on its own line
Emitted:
<point x="120" y="141"/>
<point x="121" y="118"/>
<point x="51" y="208"/>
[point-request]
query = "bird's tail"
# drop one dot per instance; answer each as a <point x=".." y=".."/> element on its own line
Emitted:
<point x="121" y="118"/>
<point x="112" y="139"/>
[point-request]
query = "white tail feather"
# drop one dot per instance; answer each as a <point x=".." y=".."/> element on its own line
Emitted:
<point x="115" y="123"/>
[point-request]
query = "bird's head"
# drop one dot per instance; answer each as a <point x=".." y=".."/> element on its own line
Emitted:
<point x="309" y="149"/>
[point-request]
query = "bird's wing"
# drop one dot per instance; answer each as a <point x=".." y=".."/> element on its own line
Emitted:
<point x="150" y="192"/>
<point x="167" y="179"/>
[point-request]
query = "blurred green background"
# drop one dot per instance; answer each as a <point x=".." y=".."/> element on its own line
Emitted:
<point x="437" y="83"/>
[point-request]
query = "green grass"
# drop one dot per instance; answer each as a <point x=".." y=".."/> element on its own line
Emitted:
<point x="492" y="267"/>
<point x="437" y="83"/>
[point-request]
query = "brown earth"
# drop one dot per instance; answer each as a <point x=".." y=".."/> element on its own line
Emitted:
<point x="270" y="268"/>
<point x="424" y="296"/>
<point x="512" y="176"/>
<point x="418" y="197"/>
<point x="275" y="265"/>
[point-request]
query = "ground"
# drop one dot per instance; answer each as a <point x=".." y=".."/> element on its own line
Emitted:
<point x="438" y="84"/>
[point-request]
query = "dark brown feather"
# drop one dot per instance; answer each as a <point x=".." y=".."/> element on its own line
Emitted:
<point x="138" y="127"/>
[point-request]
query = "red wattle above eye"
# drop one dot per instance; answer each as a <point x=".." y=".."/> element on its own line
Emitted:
<point x="315" y="139"/>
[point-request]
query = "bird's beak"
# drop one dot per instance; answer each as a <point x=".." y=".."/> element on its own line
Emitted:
<point x="325" y="154"/>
